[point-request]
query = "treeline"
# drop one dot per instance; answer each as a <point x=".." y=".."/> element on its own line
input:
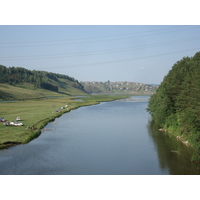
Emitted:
<point x="40" y="79"/>
<point x="176" y="104"/>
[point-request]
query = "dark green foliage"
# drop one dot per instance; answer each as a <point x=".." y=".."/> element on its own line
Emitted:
<point x="48" y="86"/>
<point x="176" y="103"/>
<point x="40" y="79"/>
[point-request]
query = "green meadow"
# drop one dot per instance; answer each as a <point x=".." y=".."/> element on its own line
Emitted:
<point x="37" y="113"/>
<point x="24" y="91"/>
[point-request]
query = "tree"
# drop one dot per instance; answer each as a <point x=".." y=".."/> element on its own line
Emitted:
<point x="176" y="103"/>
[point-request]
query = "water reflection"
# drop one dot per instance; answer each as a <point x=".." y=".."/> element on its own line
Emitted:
<point x="172" y="154"/>
<point x="136" y="98"/>
<point x="111" y="138"/>
<point x="77" y="100"/>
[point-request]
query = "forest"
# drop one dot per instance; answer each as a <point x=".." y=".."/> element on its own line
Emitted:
<point x="40" y="79"/>
<point x="176" y="104"/>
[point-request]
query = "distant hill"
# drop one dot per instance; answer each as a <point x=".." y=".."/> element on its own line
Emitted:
<point x="21" y="83"/>
<point x="119" y="87"/>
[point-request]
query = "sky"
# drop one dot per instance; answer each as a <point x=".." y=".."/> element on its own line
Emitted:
<point x="137" y="53"/>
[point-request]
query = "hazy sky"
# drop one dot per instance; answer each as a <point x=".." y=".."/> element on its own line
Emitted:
<point x="137" y="53"/>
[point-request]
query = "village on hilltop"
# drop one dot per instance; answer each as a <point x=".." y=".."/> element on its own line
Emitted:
<point x="118" y="87"/>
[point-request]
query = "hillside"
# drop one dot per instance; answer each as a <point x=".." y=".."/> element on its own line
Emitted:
<point x="119" y="87"/>
<point x="176" y="107"/>
<point x="20" y="83"/>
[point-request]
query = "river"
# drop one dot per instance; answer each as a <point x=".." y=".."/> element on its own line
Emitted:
<point x="111" y="138"/>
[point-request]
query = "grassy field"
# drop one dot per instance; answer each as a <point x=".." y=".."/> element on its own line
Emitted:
<point x="37" y="113"/>
<point x="27" y="91"/>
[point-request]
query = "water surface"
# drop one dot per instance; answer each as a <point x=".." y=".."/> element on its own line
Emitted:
<point x="112" y="138"/>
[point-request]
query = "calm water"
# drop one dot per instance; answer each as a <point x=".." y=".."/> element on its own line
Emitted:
<point x="112" y="138"/>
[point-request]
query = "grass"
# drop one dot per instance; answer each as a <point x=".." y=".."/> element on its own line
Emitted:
<point x="24" y="91"/>
<point x="37" y="113"/>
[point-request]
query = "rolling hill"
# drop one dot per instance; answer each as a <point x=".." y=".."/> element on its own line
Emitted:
<point x="19" y="83"/>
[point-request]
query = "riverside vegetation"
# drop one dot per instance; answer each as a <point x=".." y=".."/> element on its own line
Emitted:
<point x="176" y="104"/>
<point x="37" y="113"/>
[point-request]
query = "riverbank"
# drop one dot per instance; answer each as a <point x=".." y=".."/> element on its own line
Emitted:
<point x="184" y="139"/>
<point x="37" y="113"/>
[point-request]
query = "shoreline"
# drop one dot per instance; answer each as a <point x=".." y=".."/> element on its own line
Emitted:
<point x="184" y="142"/>
<point x="177" y="137"/>
<point x="35" y="130"/>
